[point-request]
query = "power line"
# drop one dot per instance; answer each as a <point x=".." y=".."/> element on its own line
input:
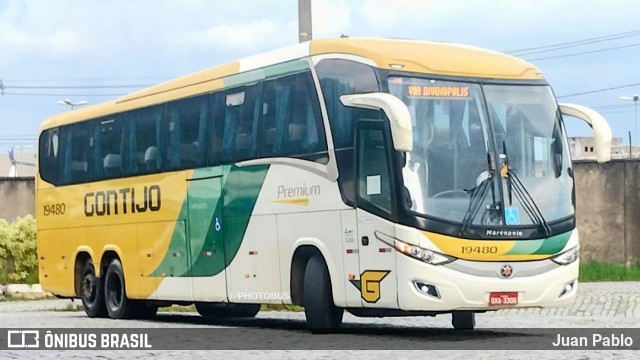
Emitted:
<point x="81" y="80"/>
<point x="598" y="90"/>
<point x="564" y="45"/>
<point x="611" y="106"/>
<point x="16" y="137"/>
<point x="614" y="111"/>
<point x="585" y="52"/>
<point x="65" y="87"/>
<point x="51" y="94"/>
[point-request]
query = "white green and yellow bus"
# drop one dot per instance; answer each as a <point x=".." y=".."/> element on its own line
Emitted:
<point x="381" y="177"/>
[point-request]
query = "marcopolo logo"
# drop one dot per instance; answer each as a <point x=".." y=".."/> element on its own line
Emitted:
<point x="504" y="233"/>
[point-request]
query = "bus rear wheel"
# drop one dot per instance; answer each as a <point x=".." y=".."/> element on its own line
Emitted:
<point x="223" y="311"/>
<point x="463" y="320"/>
<point x="317" y="298"/>
<point x="92" y="292"/>
<point x="118" y="305"/>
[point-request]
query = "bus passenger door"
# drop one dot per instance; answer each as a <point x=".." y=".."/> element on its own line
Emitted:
<point x="377" y="281"/>
<point x="206" y="245"/>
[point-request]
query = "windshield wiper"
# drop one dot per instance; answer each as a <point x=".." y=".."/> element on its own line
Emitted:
<point x="514" y="185"/>
<point x="477" y="197"/>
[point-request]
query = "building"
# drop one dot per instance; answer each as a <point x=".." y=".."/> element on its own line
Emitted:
<point x="582" y="148"/>
<point x="20" y="169"/>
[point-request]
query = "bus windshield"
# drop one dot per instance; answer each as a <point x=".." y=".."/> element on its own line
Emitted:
<point x="466" y="136"/>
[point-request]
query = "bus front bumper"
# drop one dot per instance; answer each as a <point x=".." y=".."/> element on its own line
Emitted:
<point x="426" y="287"/>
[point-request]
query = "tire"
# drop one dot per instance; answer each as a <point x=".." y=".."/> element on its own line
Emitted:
<point x="92" y="292"/>
<point x="144" y="310"/>
<point x="225" y="311"/>
<point x="321" y="313"/>
<point x="118" y="305"/>
<point x="463" y="320"/>
<point x="248" y="310"/>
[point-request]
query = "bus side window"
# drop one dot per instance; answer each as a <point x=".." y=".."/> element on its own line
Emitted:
<point x="216" y="128"/>
<point x="373" y="168"/>
<point x="76" y="153"/>
<point x="242" y="111"/>
<point x="48" y="156"/>
<point x="145" y="141"/>
<point x="110" y="144"/>
<point x="188" y="129"/>
<point x="337" y="78"/>
<point x="291" y="121"/>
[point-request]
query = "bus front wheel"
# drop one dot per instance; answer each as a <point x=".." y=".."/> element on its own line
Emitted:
<point x="92" y="292"/>
<point x="321" y="313"/>
<point x="463" y="320"/>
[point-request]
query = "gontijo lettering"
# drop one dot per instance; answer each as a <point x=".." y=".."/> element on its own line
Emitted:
<point x="123" y="201"/>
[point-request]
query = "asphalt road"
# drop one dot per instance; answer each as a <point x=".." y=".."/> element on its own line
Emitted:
<point x="599" y="305"/>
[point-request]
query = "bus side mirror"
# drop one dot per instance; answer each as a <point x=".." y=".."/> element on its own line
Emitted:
<point x="601" y="130"/>
<point x="397" y="112"/>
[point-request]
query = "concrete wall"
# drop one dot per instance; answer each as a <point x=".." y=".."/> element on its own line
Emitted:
<point x="17" y="197"/>
<point x="607" y="208"/>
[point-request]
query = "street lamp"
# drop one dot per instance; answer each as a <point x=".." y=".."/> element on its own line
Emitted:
<point x="72" y="104"/>
<point x="633" y="98"/>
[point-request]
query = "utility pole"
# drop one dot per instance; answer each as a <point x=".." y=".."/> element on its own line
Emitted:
<point x="304" y="21"/>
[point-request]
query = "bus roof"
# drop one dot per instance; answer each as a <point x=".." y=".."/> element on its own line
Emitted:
<point x="405" y="55"/>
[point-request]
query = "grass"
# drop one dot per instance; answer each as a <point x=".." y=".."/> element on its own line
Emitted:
<point x="598" y="271"/>
<point x="278" y="307"/>
<point x="32" y="278"/>
<point x="177" y="308"/>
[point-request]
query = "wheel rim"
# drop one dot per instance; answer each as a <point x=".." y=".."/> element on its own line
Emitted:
<point x="89" y="288"/>
<point x="114" y="291"/>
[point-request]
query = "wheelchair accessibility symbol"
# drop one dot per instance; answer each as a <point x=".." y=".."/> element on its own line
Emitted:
<point x="512" y="216"/>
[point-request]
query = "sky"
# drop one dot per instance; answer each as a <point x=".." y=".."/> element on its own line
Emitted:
<point x="98" y="50"/>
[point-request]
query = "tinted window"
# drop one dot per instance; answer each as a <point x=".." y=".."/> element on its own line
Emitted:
<point x="109" y="148"/>
<point x="337" y="78"/>
<point x="291" y="121"/>
<point x="188" y="124"/>
<point x="48" y="156"/>
<point x="76" y="153"/>
<point x="242" y="109"/>
<point x="373" y="169"/>
<point x="145" y="141"/>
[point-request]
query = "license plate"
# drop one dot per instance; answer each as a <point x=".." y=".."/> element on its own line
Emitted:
<point x="503" y="298"/>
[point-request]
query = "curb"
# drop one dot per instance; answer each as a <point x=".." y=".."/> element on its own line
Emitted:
<point x="23" y="291"/>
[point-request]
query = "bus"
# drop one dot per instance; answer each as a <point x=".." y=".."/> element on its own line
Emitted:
<point x="381" y="177"/>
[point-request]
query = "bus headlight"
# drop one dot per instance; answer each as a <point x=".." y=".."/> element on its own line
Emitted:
<point x="428" y="256"/>
<point x="568" y="256"/>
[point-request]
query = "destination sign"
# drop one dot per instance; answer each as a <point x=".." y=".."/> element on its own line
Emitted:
<point x="438" y="91"/>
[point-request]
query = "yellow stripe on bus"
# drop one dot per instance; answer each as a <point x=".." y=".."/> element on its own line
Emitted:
<point x="483" y="250"/>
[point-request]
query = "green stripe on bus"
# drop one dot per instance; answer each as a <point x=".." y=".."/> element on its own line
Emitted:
<point x="240" y="194"/>
<point x="205" y="210"/>
<point x="290" y="67"/>
<point x="525" y="247"/>
<point x="554" y="244"/>
<point x="215" y="229"/>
